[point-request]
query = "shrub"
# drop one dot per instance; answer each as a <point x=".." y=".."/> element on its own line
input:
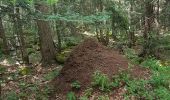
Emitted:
<point x="123" y="77"/>
<point x="61" y="57"/>
<point x="76" y="85"/>
<point x="103" y="97"/>
<point x="84" y="98"/>
<point x="132" y="55"/>
<point x="152" y="63"/>
<point x="156" y="87"/>
<point x="87" y="93"/>
<point x="51" y="75"/>
<point x="12" y="96"/>
<point x="71" y="96"/>
<point x="101" y="80"/>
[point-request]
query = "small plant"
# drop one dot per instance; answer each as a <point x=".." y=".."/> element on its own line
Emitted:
<point x="12" y="96"/>
<point x="120" y="79"/>
<point x="24" y="70"/>
<point x="76" y="85"/>
<point x="101" y="80"/>
<point x="103" y="97"/>
<point x="84" y="98"/>
<point x="71" y="96"/>
<point x="156" y="87"/>
<point x="51" y="75"/>
<point x="132" y="55"/>
<point x="2" y="69"/>
<point x="62" y="56"/>
<point x="152" y="63"/>
<point x="88" y="92"/>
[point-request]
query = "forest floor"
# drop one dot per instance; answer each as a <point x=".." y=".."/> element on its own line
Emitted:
<point x="35" y="82"/>
<point x="26" y="82"/>
<point x="89" y="57"/>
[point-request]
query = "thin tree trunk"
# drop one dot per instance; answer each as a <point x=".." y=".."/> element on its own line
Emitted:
<point x="131" y="28"/>
<point x="23" y="48"/>
<point x="47" y="47"/>
<point x="148" y="23"/>
<point x="58" y="30"/>
<point x="2" y="35"/>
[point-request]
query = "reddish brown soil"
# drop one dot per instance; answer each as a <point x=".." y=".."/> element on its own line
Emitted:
<point x="87" y="58"/>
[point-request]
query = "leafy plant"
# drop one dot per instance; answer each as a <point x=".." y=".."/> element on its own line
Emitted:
<point x="76" y="85"/>
<point x="71" y="96"/>
<point x="123" y="77"/>
<point x="88" y="92"/>
<point x="24" y="70"/>
<point x="101" y="80"/>
<point x="152" y="63"/>
<point x="132" y="55"/>
<point x="51" y="75"/>
<point x="156" y="87"/>
<point x="103" y="97"/>
<point x="2" y="69"/>
<point x="61" y="57"/>
<point x="84" y="98"/>
<point x="162" y="93"/>
<point x="12" y="96"/>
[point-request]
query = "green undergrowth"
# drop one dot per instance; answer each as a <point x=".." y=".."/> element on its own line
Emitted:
<point x="51" y="75"/>
<point x="156" y="87"/>
<point x="26" y="88"/>
<point x="62" y="56"/>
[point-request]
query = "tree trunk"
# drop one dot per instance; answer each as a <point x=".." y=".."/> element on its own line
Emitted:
<point x="5" y="48"/>
<point x="47" y="47"/>
<point x="131" y="28"/>
<point x="58" y="30"/>
<point x="148" y="23"/>
<point x="20" y="33"/>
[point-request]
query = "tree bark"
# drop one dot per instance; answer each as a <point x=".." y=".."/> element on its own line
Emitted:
<point x="5" y="47"/>
<point x="148" y="28"/>
<point x="20" y="33"/>
<point x="131" y="28"/>
<point x="47" y="47"/>
<point x="58" y="30"/>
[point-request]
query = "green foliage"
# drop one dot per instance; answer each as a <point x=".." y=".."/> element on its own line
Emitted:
<point x="77" y="17"/>
<point x="72" y="40"/>
<point x="1" y="54"/>
<point x="24" y="70"/>
<point x="138" y="88"/>
<point x="152" y="63"/>
<point x="51" y="1"/>
<point x="76" y="85"/>
<point x="103" y="97"/>
<point x="12" y="96"/>
<point x="161" y="77"/>
<point x="101" y="80"/>
<point x="132" y="55"/>
<point x="162" y="93"/>
<point x="84" y="98"/>
<point x="2" y="69"/>
<point x="51" y="75"/>
<point x="61" y="57"/>
<point x="27" y="90"/>
<point x="71" y="96"/>
<point x="123" y="77"/>
<point x="156" y="87"/>
<point x="86" y="94"/>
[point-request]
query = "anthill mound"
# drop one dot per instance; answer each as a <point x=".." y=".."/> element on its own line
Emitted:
<point x="84" y="60"/>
